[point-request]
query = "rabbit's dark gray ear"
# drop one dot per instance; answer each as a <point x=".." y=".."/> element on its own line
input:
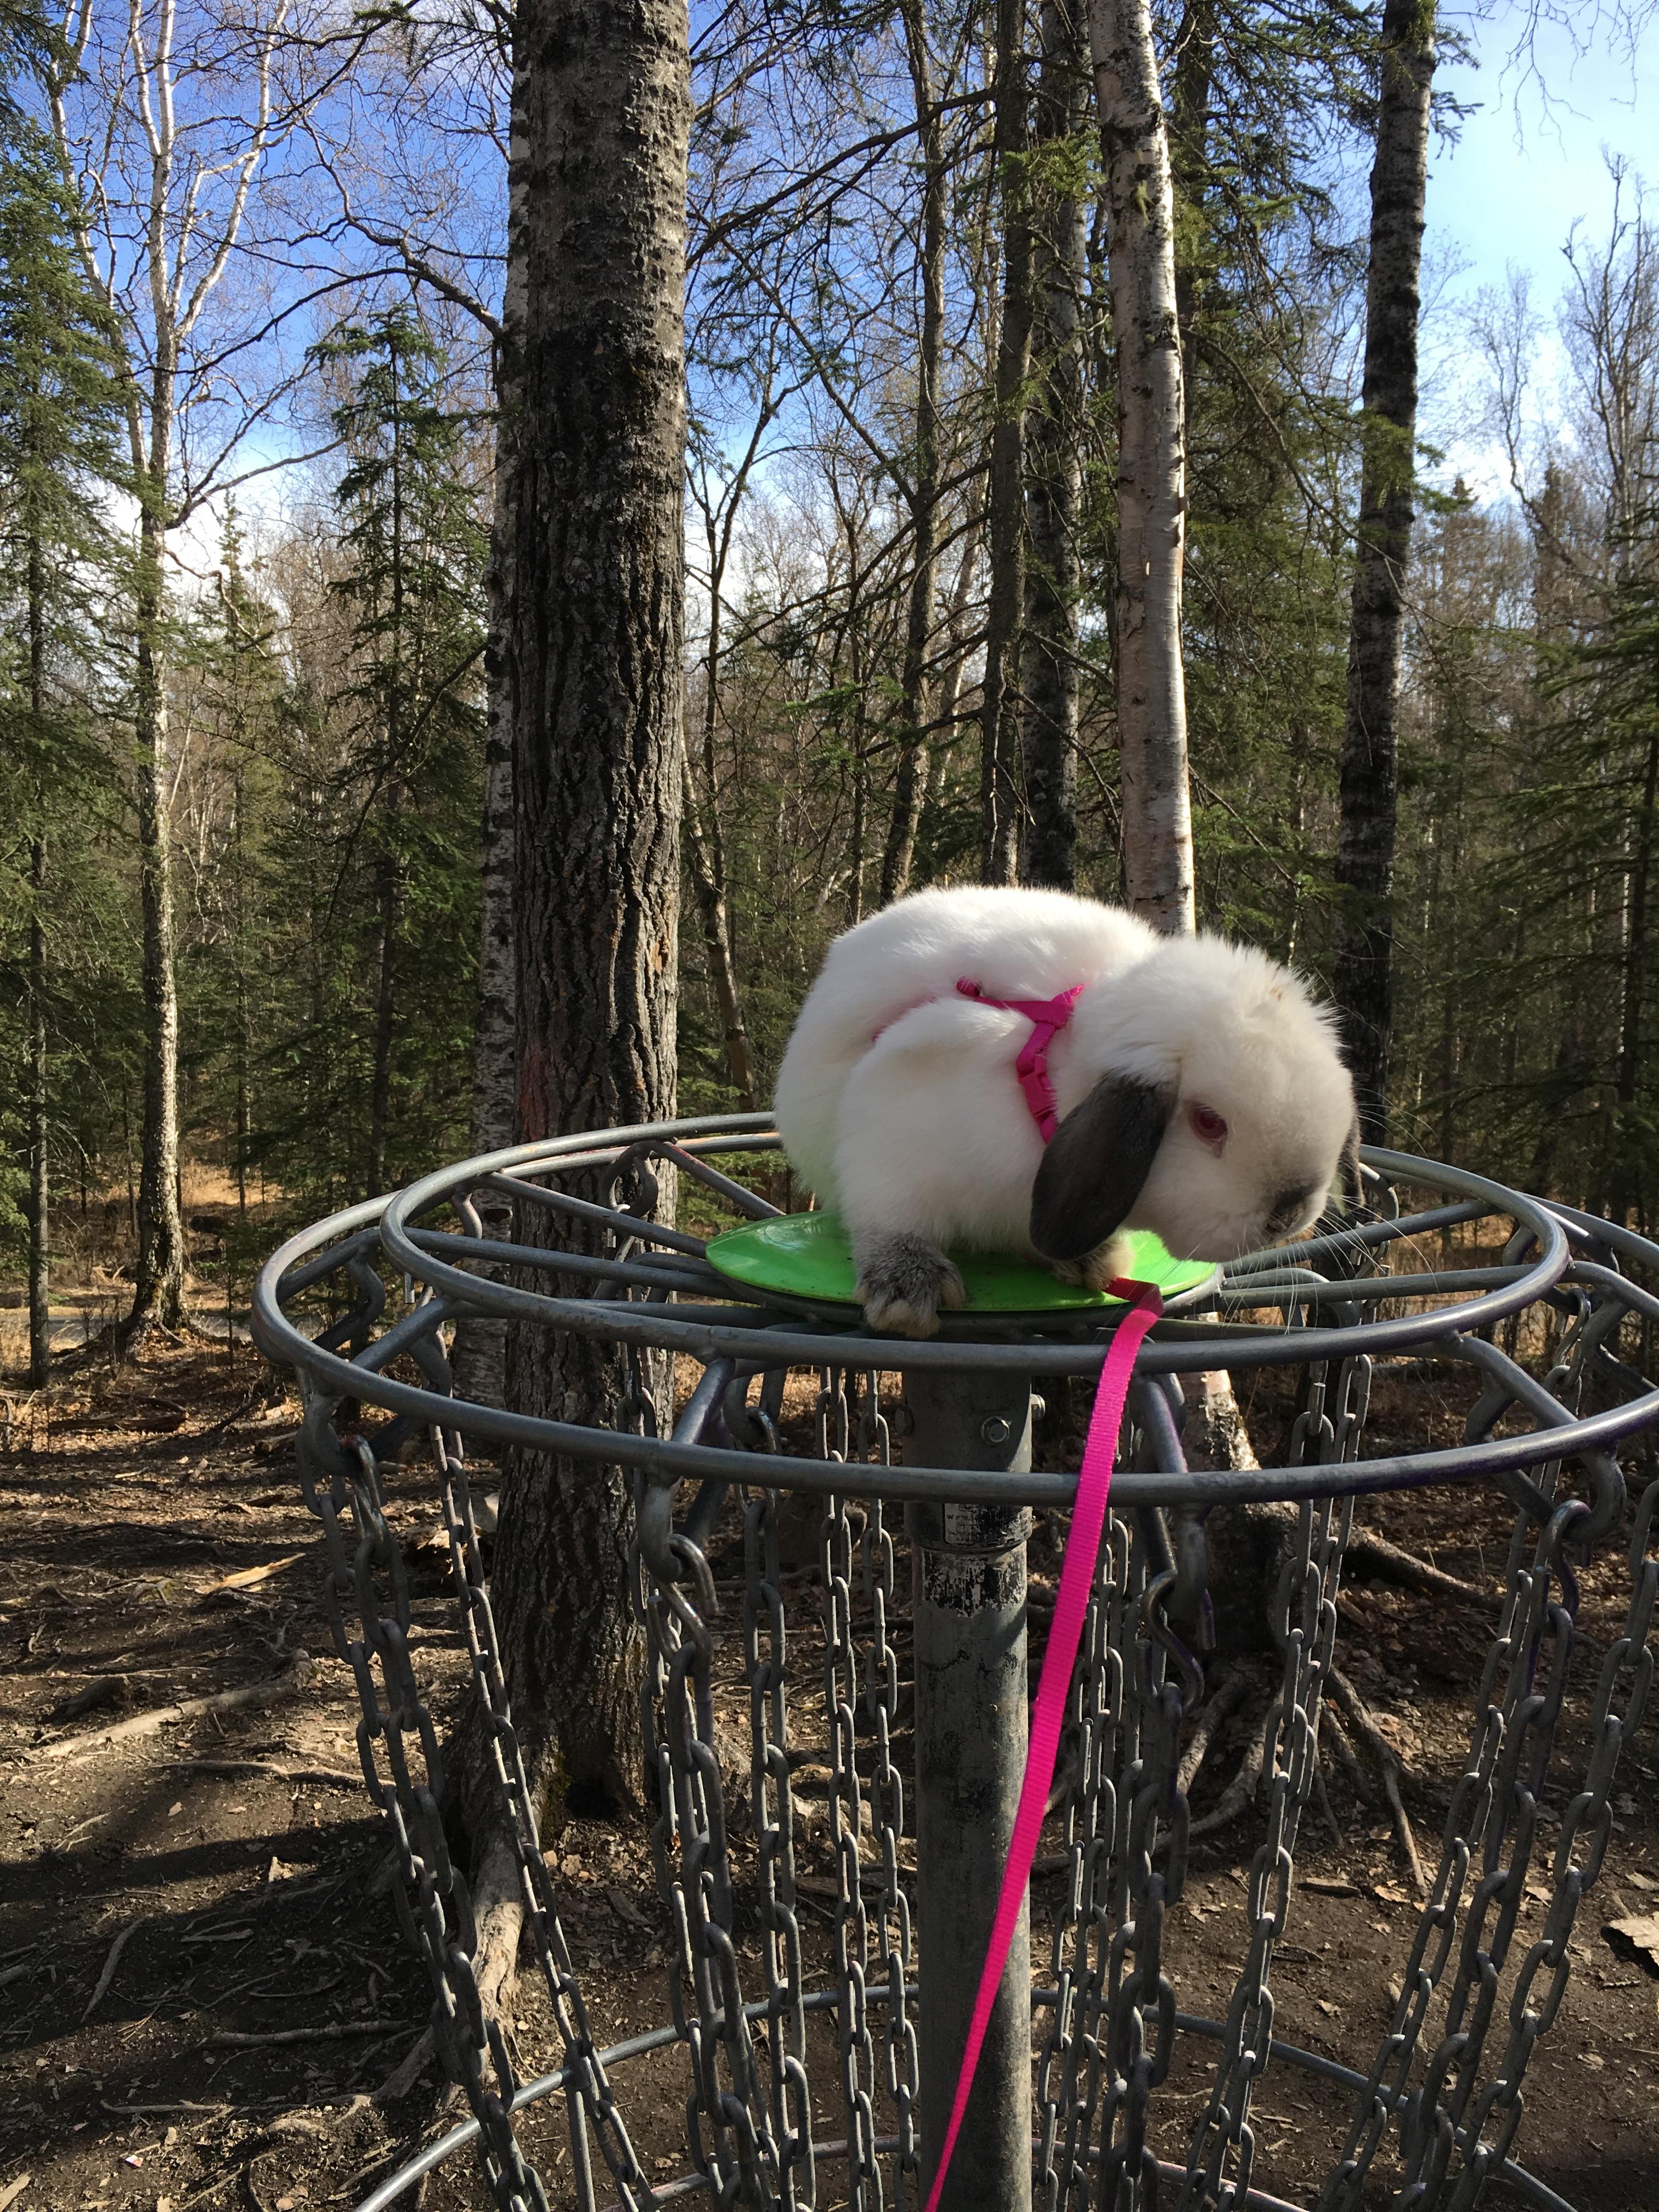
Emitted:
<point x="1095" y="1164"/>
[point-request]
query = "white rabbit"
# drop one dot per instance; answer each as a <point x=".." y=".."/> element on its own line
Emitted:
<point x="1198" y="1092"/>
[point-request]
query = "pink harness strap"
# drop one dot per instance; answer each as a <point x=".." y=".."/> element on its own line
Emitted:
<point x="1049" y="1714"/>
<point x="1047" y="1017"/>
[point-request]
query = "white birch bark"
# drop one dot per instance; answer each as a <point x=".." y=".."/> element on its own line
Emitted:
<point x="1151" y="490"/>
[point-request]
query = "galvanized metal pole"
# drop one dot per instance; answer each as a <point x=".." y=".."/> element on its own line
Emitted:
<point x="972" y="1728"/>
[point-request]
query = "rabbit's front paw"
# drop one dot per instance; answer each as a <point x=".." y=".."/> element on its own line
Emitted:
<point x="903" y="1280"/>
<point x="1095" y="1269"/>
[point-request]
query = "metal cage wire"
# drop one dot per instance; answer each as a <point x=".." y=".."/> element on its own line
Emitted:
<point x="1434" y="2110"/>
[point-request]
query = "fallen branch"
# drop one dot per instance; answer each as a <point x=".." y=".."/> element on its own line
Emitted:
<point x="246" y="1577"/>
<point x="328" y="2032"/>
<point x="160" y="1717"/>
<point x="113" y="1959"/>
<point x="346" y="1777"/>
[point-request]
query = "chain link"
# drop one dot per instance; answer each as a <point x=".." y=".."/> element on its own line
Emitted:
<point x="1222" y="2154"/>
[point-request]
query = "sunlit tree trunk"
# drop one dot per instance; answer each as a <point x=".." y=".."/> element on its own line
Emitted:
<point x="916" y="703"/>
<point x="1363" y="974"/>
<point x="594" y="667"/>
<point x="159" y="1289"/>
<point x="1152" y="490"/>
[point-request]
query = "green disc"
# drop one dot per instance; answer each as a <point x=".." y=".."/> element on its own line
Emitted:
<point x="807" y="1256"/>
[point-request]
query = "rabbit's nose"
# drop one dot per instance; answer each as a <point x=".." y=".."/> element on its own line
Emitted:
<point x="1287" y="1209"/>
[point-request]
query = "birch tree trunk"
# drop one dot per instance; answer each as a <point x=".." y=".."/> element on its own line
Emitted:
<point x="594" y="638"/>
<point x="917" y="700"/>
<point x="1152" y="490"/>
<point x="1054" y="466"/>
<point x="176" y="170"/>
<point x="1370" y="783"/>
<point x="159" y="1289"/>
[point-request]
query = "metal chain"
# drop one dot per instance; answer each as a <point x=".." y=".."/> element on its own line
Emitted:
<point x="1484" y="2137"/>
<point x="1069" y="2074"/>
<point x="846" y="1818"/>
<point x="365" y="1570"/>
<point x="1493" y="1809"/>
<point x="1223" y="2149"/>
<point x="896" y="1937"/>
<point x="729" y="2115"/>
<point x="766" y="1656"/>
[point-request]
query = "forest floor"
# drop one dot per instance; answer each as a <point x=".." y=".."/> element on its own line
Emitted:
<point x="203" y="1985"/>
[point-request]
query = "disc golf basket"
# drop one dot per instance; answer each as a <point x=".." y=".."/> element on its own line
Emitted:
<point x="816" y="2050"/>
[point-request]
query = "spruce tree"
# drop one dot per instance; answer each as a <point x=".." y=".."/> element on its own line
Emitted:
<point x="58" y="422"/>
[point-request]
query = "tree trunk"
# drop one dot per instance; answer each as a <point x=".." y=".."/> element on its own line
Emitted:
<point x="385" y="1009"/>
<point x="1190" y="161"/>
<point x="1055" y="472"/>
<point x="1151" y="492"/>
<point x="1364" y="861"/>
<point x="594" y="640"/>
<point x="916" y="703"/>
<point x="477" y="1357"/>
<point x="159" y="1289"/>
<point x="1629" y="1183"/>
<point x="1000" y="705"/>
<point x="708" y="881"/>
<point x="39" y="1166"/>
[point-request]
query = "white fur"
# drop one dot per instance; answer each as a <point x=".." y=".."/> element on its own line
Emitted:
<point x="898" y="1104"/>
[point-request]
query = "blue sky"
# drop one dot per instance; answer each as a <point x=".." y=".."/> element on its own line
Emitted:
<point x="1526" y="163"/>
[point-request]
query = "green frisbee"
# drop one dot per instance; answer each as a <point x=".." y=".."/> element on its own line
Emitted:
<point x="807" y="1256"/>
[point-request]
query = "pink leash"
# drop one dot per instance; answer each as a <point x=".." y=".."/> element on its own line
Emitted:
<point x="1077" y="1574"/>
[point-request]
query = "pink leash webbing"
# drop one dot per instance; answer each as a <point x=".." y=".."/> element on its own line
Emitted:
<point x="1076" y="1573"/>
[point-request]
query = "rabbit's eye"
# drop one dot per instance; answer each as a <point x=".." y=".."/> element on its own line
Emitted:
<point x="1207" y="1126"/>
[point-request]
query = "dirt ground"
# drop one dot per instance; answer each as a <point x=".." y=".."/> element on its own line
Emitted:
<point x="203" y="1985"/>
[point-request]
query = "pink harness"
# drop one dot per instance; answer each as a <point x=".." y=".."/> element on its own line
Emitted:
<point x="1047" y="1017"/>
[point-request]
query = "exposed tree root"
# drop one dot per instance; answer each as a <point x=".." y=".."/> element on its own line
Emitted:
<point x="1224" y="1701"/>
<point x="498" y="1917"/>
<point x="1236" y="1797"/>
<point x="1389" y="1564"/>
<point x="1390" y="1766"/>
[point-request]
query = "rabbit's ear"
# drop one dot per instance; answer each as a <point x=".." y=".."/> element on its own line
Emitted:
<point x="1096" y="1163"/>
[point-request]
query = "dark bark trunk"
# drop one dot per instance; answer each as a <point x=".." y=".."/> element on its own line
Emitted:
<point x="40" y="1168"/>
<point x="595" y="678"/>
<point x="1005" y="531"/>
<point x="40" y="1196"/>
<point x="386" y="1014"/>
<point x="916" y="703"/>
<point x="478" y="1356"/>
<point x="159" y="1289"/>
<point x="1189" y="157"/>
<point x="1055" y="469"/>
<point x="707" y="859"/>
<point x="1369" y="781"/>
<point x="1628" y="1188"/>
